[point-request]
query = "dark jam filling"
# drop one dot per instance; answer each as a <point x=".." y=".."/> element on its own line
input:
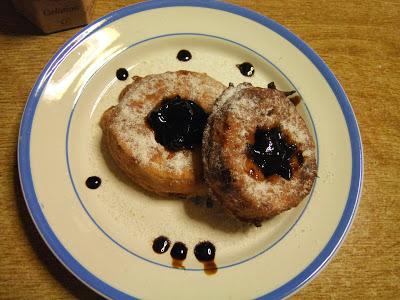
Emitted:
<point x="246" y="68"/>
<point x="161" y="244"/>
<point x="178" y="123"/>
<point x="122" y="74"/>
<point x="300" y="158"/>
<point x="272" y="153"/>
<point x="184" y="55"/>
<point x="93" y="182"/>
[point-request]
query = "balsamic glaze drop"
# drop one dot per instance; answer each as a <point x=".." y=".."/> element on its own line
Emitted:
<point x="204" y="251"/>
<point x="178" y="254"/>
<point x="122" y="74"/>
<point x="93" y="182"/>
<point x="272" y="153"/>
<point x="178" y="123"/>
<point x="179" y="251"/>
<point x="272" y="85"/>
<point x="288" y="93"/>
<point x="295" y="100"/>
<point x="210" y="267"/>
<point x="161" y="244"/>
<point x="184" y="55"/>
<point x="246" y="68"/>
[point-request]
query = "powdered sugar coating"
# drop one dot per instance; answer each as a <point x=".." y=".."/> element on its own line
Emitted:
<point x="228" y="170"/>
<point x="126" y="125"/>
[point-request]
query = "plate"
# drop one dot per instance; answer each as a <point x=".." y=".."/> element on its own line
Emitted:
<point x="104" y="236"/>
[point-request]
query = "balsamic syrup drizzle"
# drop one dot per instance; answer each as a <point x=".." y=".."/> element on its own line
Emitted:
<point x="178" y="254"/>
<point x="205" y="253"/>
<point x="93" y="182"/>
<point x="161" y="244"/>
<point x="246" y="68"/>
<point x="122" y="74"/>
<point x="184" y="55"/>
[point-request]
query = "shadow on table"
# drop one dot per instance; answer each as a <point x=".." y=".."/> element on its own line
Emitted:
<point x="56" y="269"/>
<point x="13" y="23"/>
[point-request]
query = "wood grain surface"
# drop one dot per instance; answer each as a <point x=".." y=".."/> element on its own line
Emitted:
<point x="360" y="42"/>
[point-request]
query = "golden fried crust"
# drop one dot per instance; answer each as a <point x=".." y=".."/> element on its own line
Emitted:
<point x="131" y="141"/>
<point x="234" y="180"/>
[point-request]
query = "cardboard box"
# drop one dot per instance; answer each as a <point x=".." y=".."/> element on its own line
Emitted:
<point x="56" y="15"/>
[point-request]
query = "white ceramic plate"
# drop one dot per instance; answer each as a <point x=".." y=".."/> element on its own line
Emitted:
<point x="104" y="236"/>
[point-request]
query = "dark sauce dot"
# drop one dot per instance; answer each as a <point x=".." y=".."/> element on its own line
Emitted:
<point x="295" y="100"/>
<point x="178" y="123"/>
<point x="271" y="152"/>
<point x="176" y="263"/>
<point x="289" y="93"/>
<point x="179" y="251"/>
<point x="246" y="69"/>
<point x="271" y="85"/>
<point x="184" y="55"/>
<point x="122" y="74"/>
<point x="93" y="182"/>
<point x="161" y="244"/>
<point x="204" y="251"/>
<point x="210" y="268"/>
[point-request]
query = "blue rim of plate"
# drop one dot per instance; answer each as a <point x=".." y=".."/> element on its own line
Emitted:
<point x="27" y="119"/>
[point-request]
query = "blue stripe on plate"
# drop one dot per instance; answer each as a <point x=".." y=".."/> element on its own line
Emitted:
<point x="26" y="125"/>
<point x="149" y="260"/>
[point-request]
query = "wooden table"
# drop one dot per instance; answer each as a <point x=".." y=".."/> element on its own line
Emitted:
<point x="359" y="40"/>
